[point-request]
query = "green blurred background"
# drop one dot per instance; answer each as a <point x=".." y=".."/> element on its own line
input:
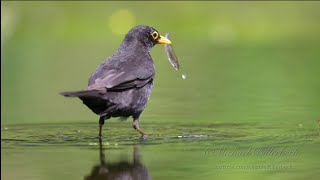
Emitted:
<point x="245" y="61"/>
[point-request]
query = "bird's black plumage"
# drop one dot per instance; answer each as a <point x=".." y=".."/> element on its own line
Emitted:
<point x="121" y="86"/>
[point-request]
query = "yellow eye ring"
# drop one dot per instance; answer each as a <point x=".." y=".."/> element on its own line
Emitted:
<point x="155" y="35"/>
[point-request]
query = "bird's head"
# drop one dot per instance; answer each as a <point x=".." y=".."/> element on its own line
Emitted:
<point x="147" y="35"/>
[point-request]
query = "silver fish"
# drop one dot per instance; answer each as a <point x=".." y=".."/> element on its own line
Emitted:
<point x="171" y="54"/>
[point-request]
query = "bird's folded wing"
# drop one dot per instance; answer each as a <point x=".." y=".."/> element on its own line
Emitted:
<point x="115" y="80"/>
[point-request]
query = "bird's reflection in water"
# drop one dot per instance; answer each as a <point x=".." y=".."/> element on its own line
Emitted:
<point x="122" y="170"/>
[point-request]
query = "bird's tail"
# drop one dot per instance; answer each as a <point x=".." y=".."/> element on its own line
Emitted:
<point x="84" y="93"/>
<point x="91" y="98"/>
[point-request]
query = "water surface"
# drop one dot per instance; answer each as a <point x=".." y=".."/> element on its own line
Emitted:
<point x="172" y="151"/>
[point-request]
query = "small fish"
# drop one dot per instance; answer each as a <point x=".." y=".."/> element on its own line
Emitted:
<point x="171" y="54"/>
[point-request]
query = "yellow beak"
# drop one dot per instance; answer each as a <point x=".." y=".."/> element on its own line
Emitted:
<point x="163" y="40"/>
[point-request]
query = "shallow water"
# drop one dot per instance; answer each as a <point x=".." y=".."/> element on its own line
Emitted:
<point x="172" y="151"/>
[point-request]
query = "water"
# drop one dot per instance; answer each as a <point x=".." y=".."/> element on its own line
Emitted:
<point x="184" y="76"/>
<point x="60" y="151"/>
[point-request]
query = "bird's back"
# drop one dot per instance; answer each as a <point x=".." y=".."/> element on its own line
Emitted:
<point x="129" y="59"/>
<point x="127" y="78"/>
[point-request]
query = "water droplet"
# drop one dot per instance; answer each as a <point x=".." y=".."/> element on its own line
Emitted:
<point x="179" y="136"/>
<point x="184" y="76"/>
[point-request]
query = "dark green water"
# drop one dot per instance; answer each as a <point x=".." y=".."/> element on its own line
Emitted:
<point x="248" y="109"/>
<point x="173" y="151"/>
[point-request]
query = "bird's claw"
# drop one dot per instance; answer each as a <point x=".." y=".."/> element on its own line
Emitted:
<point x="144" y="137"/>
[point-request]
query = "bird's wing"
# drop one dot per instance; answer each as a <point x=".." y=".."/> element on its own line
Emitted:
<point x="119" y="80"/>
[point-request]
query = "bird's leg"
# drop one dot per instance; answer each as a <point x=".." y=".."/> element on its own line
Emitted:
<point x="101" y="123"/>
<point x="135" y="126"/>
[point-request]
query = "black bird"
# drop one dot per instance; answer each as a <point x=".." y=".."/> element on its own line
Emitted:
<point x="121" y="86"/>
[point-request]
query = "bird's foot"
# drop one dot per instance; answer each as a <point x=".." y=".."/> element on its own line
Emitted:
<point x="144" y="137"/>
<point x="100" y="137"/>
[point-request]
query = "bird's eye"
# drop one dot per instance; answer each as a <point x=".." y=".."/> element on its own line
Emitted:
<point x="155" y="35"/>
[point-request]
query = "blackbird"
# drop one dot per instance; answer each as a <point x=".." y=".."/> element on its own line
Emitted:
<point x="121" y="86"/>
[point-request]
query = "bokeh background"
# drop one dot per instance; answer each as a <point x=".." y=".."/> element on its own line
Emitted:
<point x="251" y="61"/>
<point x="253" y="80"/>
